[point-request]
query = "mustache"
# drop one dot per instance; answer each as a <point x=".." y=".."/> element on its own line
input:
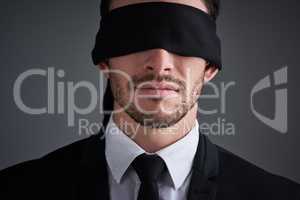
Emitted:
<point x="159" y="78"/>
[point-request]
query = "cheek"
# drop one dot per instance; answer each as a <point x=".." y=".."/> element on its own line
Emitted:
<point x="122" y="86"/>
<point x="119" y="83"/>
<point x="193" y="76"/>
<point x="191" y="68"/>
<point x="194" y="84"/>
<point x="123" y="71"/>
<point x="198" y="81"/>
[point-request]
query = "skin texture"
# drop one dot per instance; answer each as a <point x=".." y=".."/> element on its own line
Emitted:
<point x="156" y="91"/>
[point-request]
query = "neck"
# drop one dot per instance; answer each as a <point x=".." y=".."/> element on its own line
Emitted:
<point x="154" y="139"/>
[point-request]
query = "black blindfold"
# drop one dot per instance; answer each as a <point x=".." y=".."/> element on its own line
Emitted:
<point x="177" y="28"/>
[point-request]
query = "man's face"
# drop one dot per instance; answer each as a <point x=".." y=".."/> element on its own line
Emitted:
<point x="155" y="87"/>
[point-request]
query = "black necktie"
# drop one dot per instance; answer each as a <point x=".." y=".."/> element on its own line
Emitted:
<point x="148" y="168"/>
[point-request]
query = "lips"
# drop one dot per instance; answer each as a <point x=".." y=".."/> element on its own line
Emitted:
<point x="157" y="90"/>
<point x="158" y="86"/>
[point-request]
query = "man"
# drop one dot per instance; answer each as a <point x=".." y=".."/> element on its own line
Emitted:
<point x="157" y="55"/>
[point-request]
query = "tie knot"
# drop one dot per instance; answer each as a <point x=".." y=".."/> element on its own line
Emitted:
<point x="148" y="167"/>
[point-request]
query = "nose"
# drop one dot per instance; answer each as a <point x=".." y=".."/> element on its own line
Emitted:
<point x="159" y="61"/>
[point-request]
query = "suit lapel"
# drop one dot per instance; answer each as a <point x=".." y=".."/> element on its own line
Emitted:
<point x="93" y="182"/>
<point x="93" y="179"/>
<point x="203" y="184"/>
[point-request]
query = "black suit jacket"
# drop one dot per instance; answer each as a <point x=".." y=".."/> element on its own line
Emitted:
<point x="78" y="172"/>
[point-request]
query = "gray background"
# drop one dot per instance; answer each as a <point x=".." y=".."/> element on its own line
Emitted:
<point x="258" y="38"/>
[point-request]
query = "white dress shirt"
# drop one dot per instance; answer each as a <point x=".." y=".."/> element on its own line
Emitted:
<point x="120" y="151"/>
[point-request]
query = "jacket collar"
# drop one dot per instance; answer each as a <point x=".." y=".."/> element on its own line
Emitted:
<point x="205" y="171"/>
<point x="93" y="179"/>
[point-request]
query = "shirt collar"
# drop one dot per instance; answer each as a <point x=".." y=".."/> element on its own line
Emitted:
<point x="120" y="151"/>
<point x="180" y="155"/>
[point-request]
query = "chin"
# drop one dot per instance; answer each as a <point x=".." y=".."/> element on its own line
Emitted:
<point x="163" y="109"/>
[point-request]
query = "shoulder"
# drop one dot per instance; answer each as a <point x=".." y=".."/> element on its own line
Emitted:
<point x="64" y="161"/>
<point x="238" y="174"/>
<point x="59" y="171"/>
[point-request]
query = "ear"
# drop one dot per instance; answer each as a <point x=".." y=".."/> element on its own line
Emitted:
<point x="210" y="72"/>
<point x="104" y="67"/>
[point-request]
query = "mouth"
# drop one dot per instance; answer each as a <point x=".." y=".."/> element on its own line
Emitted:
<point x="157" y="90"/>
<point x="157" y="86"/>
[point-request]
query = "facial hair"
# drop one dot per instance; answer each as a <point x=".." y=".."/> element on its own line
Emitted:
<point x="156" y="120"/>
